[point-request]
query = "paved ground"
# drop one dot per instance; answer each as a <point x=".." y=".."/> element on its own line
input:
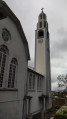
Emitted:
<point x="49" y="115"/>
<point x="52" y="118"/>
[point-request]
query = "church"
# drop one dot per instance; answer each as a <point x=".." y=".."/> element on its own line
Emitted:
<point x="25" y="92"/>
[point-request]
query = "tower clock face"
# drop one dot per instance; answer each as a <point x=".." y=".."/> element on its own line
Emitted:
<point x="5" y="35"/>
<point x="40" y="40"/>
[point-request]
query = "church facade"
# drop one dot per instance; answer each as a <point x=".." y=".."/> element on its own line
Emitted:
<point x="24" y="91"/>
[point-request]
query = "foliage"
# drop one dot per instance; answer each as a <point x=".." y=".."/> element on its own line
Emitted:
<point x="60" y="116"/>
<point x="65" y="104"/>
<point x="62" y="81"/>
<point x="61" y="113"/>
<point x="52" y="109"/>
<point x="65" y="112"/>
<point x="57" y="107"/>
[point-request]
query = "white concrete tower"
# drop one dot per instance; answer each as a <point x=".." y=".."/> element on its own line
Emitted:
<point x="42" y="52"/>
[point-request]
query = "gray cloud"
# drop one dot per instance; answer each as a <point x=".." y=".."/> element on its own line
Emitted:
<point x="27" y="11"/>
<point x="62" y="31"/>
<point x="59" y="48"/>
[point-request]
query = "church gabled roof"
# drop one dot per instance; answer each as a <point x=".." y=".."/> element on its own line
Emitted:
<point x="9" y="12"/>
<point x="31" y="69"/>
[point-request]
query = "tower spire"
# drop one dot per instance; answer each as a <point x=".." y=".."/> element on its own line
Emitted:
<point x="42" y="9"/>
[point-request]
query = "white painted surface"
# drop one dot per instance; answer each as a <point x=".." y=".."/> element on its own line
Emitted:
<point x="11" y="102"/>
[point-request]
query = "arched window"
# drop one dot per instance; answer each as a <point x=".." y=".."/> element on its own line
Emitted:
<point x="12" y="73"/>
<point x="3" y="54"/>
<point x="40" y="24"/>
<point x="40" y="33"/>
<point x="31" y="81"/>
<point x="44" y="24"/>
<point x="41" y="16"/>
<point x="44" y="16"/>
<point x="39" y="83"/>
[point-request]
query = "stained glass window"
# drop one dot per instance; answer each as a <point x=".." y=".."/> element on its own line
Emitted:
<point x="3" y="55"/>
<point x="12" y="73"/>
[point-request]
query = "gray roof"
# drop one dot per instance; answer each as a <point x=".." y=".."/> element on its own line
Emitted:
<point x="9" y="12"/>
<point x="33" y="71"/>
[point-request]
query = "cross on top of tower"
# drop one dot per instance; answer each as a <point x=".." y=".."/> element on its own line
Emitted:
<point x="42" y="9"/>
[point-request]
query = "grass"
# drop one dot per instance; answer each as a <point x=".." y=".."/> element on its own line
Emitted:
<point x="61" y="113"/>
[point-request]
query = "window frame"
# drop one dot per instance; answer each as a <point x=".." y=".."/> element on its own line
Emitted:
<point x="12" y="73"/>
<point x="3" y="59"/>
<point x="40" y="24"/>
<point x="39" y="83"/>
<point x="31" y="81"/>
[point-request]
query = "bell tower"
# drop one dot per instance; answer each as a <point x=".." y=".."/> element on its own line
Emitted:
<point x="40" y="43"/>
<point x="42" y="51"/>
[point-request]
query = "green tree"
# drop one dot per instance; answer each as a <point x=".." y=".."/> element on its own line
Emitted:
<point x="62" y="81"/>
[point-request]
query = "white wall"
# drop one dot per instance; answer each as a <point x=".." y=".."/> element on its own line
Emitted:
<point x="36" y="105"/>
<point x="11" y="102"/>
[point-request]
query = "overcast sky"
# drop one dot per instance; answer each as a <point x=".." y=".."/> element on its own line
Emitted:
<point x="56" y="10"/>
